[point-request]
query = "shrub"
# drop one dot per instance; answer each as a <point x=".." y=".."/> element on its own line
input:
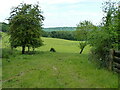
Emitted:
<point x="101" y="43"/>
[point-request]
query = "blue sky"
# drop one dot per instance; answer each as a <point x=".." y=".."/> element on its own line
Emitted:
<point x="59" y="13"/>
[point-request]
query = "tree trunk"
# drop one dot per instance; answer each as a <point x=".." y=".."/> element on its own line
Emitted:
<point x="81" y="51"/>
<point x="111" y="56"/>
<point x="23" y="49"/>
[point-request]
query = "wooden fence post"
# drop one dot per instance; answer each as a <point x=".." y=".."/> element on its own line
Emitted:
<point x="110" y="67"/>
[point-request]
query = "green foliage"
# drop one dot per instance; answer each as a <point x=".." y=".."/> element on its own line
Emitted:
<point x="117" y="25"/>
<point x="25" y="25"/>
<point x="103" y="38"/>
<point x="101" y="45"/>
<point x="83" y="29"/>
<point x="4" y="27"/>
<point x="69" y="35"/>
<point x="82" y="32"/>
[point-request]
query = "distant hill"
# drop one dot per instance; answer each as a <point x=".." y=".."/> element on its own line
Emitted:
<point x="60" y="29"/>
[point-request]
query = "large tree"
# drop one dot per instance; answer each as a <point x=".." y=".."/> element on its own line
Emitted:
<point x="25" y="26"/>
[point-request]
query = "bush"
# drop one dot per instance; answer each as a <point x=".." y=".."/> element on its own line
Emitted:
<point x="101" y="44"/>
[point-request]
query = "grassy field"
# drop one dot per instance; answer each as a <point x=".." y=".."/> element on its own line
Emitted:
<point x="65" y="68"/>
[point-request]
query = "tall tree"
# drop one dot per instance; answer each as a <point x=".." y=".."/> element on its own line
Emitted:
<point x="25" y="26"/>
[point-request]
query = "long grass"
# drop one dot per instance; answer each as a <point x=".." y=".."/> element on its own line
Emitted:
<point x="65" y="68"/>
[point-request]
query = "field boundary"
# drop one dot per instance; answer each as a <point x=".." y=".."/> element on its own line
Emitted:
<point x="114" y="63"/>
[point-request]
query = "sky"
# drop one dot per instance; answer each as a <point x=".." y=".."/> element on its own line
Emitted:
<point x="60" y="13"/>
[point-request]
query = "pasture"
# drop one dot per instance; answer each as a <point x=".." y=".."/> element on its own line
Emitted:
<point x="65" y="68"/>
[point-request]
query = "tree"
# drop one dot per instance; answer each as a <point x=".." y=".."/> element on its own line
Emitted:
<point x="82" y="32"/>
<point x="104" y="38"/>
<point x="110" y="23"/>
<point x="25" y="26"/>
<point x="83" y="29"/>
<point x="117" y="16"/>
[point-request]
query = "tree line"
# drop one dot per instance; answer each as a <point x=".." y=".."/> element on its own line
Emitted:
<point x="69" y="35"/>
<point x="59" y="29"/>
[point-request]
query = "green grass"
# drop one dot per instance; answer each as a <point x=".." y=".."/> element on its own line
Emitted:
<point x="65" y="68"/>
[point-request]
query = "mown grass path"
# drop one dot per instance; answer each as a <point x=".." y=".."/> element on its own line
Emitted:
<point x="65" y="68"/>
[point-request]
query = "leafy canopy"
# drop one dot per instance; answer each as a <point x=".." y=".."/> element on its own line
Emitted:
<point x="104" y="38"/>
<point x="83" y="29"/>
<point x="25" y="25"/>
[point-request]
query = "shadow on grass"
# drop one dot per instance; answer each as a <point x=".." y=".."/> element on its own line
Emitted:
<point x="7" y="52"/>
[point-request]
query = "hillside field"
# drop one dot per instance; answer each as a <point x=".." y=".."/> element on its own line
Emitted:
<point x="65" y="68"/>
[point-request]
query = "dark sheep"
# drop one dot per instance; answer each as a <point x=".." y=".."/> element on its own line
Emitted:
<point x="52" y="50"/>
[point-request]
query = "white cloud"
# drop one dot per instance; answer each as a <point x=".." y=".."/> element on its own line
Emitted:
<point x="6" y="5"/>
<point x="55" y="14"/>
